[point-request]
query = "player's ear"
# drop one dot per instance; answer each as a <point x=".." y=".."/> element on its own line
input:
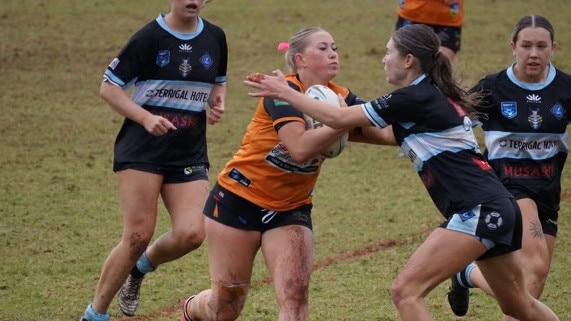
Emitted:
<point x="299" y="61"/>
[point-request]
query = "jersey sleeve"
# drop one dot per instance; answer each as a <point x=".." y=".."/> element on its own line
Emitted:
<point x="222" y="69"/>
<point x="281" y="112"/>
<point x="128" y="65"/>
<point x="400" y="106"/>
<point x="219" y="36"/>
<point x="353" y="99"/>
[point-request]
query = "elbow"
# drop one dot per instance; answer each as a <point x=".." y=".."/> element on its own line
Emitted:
<point x="301" y="156"/>
<point x="104" y="90"/>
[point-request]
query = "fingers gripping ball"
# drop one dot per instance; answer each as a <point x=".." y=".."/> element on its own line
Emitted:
<point x="327" y="95"/>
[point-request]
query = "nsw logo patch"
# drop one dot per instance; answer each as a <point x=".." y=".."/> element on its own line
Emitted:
<point x="163" y="58"/>
<point x="508" y="109"/>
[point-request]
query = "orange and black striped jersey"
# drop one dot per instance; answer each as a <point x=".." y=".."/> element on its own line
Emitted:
<point x="433" y="12"/>
<point x="262" y="170"/>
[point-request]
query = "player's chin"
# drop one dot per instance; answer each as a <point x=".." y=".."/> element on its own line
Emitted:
<point x="333" y="72"/>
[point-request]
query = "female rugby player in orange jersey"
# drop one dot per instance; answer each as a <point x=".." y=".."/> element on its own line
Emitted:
<point x="263" y="196"/>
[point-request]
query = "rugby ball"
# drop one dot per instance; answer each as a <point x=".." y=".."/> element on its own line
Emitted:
<point x="327" y="95"/>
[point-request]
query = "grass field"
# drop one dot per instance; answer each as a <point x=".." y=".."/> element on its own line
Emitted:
<point x="59" y="216"/>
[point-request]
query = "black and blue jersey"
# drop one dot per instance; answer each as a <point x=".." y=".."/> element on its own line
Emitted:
<point x="526" y="133"/>
<point x="437" y="136"/>
<point x="172" y="74"/>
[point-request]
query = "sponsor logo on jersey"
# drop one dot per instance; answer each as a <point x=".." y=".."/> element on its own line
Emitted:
<point x="114" y="63"/>
<point x="239" y="177"/>
<point x="180" y="121"/>
<point x="163" y="58"/>
<point x="185" y="48"/>
<point x="206" y="61"/>
<point x="467" y="123"/>
<point x="528" y="145"/>
<point x="508" y="109"/>
<point x="278" y="102"/>
<point x="494" y="220"/>
<point x="547" y="170"/>
<point x="382" y="102"/>
<point x="558" y="111"/>
<point x="534" y="119"/>
<point x="533" y="98"/>
<point x="466" y="215"/>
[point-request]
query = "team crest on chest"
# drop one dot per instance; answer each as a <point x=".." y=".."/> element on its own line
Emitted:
<point x="163" y="58"/>
<point x="508" y="109"/>
<point x="534" y="118"/>
<point x="185" y="67"/>
<point x="558" y="111"/>
<point x="206" y="61"/>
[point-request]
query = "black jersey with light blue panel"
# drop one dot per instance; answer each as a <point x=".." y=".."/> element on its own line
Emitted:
<point x="172" y="74"/>
<point x="436" y="134"/>
<point x="526" y="132"/>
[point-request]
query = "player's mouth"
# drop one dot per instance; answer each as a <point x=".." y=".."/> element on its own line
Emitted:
<point x="192" y="7"/>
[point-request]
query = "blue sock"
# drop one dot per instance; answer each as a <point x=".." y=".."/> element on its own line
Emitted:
<point x="463" y="277"/>
<point x="92" y="315"/>
<point x="143" y="264"/>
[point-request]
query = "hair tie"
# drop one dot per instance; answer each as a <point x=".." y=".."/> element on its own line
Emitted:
<point x="283" y="46"/>
<point x="436" y="54"/>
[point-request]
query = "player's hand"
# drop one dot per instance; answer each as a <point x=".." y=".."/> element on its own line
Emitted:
<point x="157" y="125"/>
<point x="268" y="86"/>
<point x="342" y="102"/>
<point x="216" y="111"/>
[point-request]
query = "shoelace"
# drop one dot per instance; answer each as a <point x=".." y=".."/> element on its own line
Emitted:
<point x="133" y="288"/>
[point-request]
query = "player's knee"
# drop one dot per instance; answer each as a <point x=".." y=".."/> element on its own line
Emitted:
<point x="517" y="312"/>
<point x="190" y="238"/>
<point x="294" y="294"/>
<point x="136" y="243"/>
<point x="229" y="301"/>
<point x="398" y="292"/>
<point x="536" y="278"/>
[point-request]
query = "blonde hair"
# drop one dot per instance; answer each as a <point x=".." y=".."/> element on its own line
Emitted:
<point x="297" y="44"/>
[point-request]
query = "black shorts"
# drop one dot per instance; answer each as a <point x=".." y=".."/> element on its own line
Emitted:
<point x="450" y="37"/>
<point x="171" y="175"/>
<point x="497" y="224"/>
<point x="546" y="210"/>
<point x="232" y="210"/>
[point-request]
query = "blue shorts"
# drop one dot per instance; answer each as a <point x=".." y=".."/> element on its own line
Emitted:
<point x="450" y="37"/>
<point x="232" y="210"/>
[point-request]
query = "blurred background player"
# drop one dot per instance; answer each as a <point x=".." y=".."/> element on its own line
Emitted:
<point x="446" y="18"/>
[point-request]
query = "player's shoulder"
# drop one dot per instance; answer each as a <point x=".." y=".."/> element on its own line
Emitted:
<point x="563" y="76"/>
<point x="496" y="76"/>
<point x="493" y="80"/>
<point x="338" y="88"/>
<point x="145" y="36"/>
<point x="211" y="27"/>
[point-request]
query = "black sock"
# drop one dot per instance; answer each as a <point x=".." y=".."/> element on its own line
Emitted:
<point x="136" y="274"/>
